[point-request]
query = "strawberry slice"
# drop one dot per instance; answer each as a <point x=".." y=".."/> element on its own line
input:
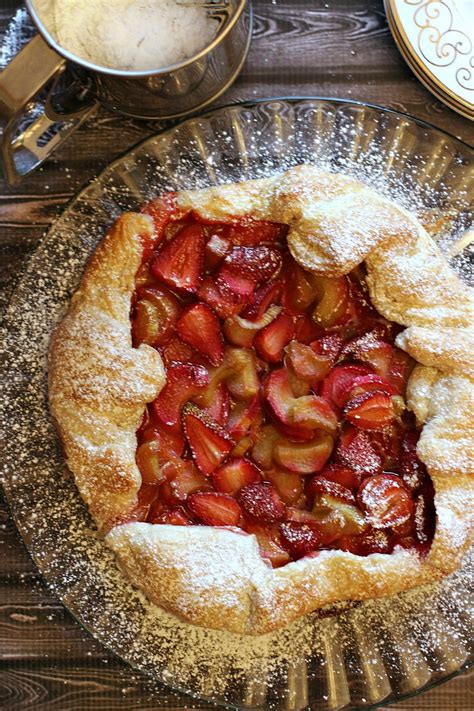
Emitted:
<point x="412" y="469"/>
<point x="288" y="485"/>
<point x="199" y="327"/>
<point x="279" y="396"/>
<point x="215" y="509"/>
<point x="371" y="541"/>
<point x="304" y="457"/>
<point x="179" y="263"/>
<point x="311" y="411"/>
<point x="337" y="385"/>
<point x="369" y="383"/>
<point x="261" y="502"/>
<point x="369" y="349"/>
<point x="268" y="539"/>
<point x="183" y="381"/>
<point x="319" y="486"/>
<point x="187" y="481"/>
<point x="355" y="450"/>
<point x="163" y="210"/>
<point x="386" y="500"/>
<point x="370" y="411"/>
<point x="234" y="474"/>
<point x="209" y="442"/>
<point x="329" y="345"/>
<point x="235" y="283"/>
<point x="272" y="339"/>
<point x="306" y="364"/>
<point x="253" y="263"/>
<point x="300" y="539"/>
<point x="263" y="298"/>
<point x="220" y="297"/>
<point x="253" y="232"/>
<point x="219" y="407"/>
<point x="176" y="350"/>
<point x="154" y="316"/>
<point x="173" y="517"/>
<point x="241" y="332"/>
<point x="344" y="476"/>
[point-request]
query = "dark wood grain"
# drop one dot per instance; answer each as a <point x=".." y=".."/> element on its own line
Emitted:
<point x="340" y="48"/>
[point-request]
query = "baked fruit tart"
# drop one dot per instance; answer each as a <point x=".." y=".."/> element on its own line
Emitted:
<point x="265" y="394"/>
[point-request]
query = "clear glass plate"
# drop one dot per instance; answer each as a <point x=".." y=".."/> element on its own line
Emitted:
<point x="347" y="657"/>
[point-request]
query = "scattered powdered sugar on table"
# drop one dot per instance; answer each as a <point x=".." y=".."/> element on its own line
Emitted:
<point x="347" y="655"/>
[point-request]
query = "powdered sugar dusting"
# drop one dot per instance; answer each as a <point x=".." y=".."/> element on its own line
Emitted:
<point x="348" y="655"/>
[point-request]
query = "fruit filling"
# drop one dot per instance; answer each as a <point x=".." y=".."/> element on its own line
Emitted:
<point x="283" y="412"/>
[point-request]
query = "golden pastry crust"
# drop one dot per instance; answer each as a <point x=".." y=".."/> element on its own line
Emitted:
<point x="216" y="577"/>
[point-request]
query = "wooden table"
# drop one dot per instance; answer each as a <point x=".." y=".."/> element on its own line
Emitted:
<point x="339" y="48"/>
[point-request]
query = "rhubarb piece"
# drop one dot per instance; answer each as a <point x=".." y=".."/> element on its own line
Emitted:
<point x="242" y="447"/>
<point x="370" y="541"/>
<point x="217" y="247"/>
<point x="279" y="396"/>
<point x="300" y="291"/>
<point x="355" y="450"/>
<point x="174" y="517"/>
<point x="412" y="469"/>
<point x="176" y="350"/>
<point x="369" y="383"/>
<point x="149" y="460"/>
<point x="306" y="330"/>
<point x="337" y="385"/>
<point x="261" y="502"/>
<point x="272" y="339"/>
<point x="268" y="539"/>
<point x="344" y="476"/>
<point x="199" y="327"/>
<point x="219" y="407"/>
<point x="306" y="364"/>
<point x="329" y="345"/>
<point x="241" y="332"/>
<point x="221" y="298"/>
<point x="244" y="384"/>
<point x="215" y="509"/>
<point x="333" y="300"/>
<point x="386" y="500"/>
<point x="245" y="416"/>
<point x="288" y="485"/>
<point x="154" y="316"/>
<point x="179" y="263"/>
<point x="319" y="487"/>
<point x="209" y="442"/>
<point x="188" y="481"/>
<point x="370" y="411"/>
<point x="183" y="381"/>
<point x="337" y="517"/>
<point x="264" y="297"/>
<point x="234" y="474"/>
<point x="303" y="458"/>
<point x="311" y="411"/>
<point x="262" y="451"/>
<point x="299" y="539"/>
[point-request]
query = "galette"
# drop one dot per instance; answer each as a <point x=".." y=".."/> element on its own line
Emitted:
<point x="265" y="394"/>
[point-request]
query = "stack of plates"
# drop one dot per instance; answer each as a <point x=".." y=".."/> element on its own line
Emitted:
<point x="436" y="38"/>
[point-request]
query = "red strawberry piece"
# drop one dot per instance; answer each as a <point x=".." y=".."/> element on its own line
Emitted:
<point x="187" y="481"/>
<point x="253" y="263"/>
<point x="179" y="263"/>
<point x="369" y="383"/>
<point x="320" y="486"/>
<point x="183" y="381"/>
<point x="412" y="469"/>
<point x="234" y="474"/>
<point x="163" y="210"/>
<point x="337" y="385"/>
<point x="303" y="457"/>
<point x="209" y="442"/>
<point x="268" y="539"/>
<point x="299" y="539"/>
<point x="371" y="541"/>
<point x="221" y="298"/>
<point x="329" y="345"/>
<point x="306" y="330"/>
<point x="239" y="285"/>
<point x="241" y="332"/>
<point x="216" y="249"/>
<point x="176" y="350"/>
<point x="400" y="370"/>
<point x="344" y="476"/>
<point x="371" y="350"/>
<point x="288" y="485"/>
<point x="215" y="509"/>
<point x="253" y="232"/>
<point x="174" y="517"/>
<point x="355" y="450"/>
<point x="171" y="441"/>
<point x="333" y="300"/>
<point x="279" y="396"/>
<point x="306" y="364"/>
<point x="386" y="500"/>
<point x="263" y="298"/>
<point x="311" y="411"/>
<point x="370" y="411"/>
<point x="154" y="316"/>
<point x="272" y="339"/>
<point x="261" y="502"/>
<point x="199" y="327"/>
<point x="245" y="416"/>
<point x="220" y="405"/>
